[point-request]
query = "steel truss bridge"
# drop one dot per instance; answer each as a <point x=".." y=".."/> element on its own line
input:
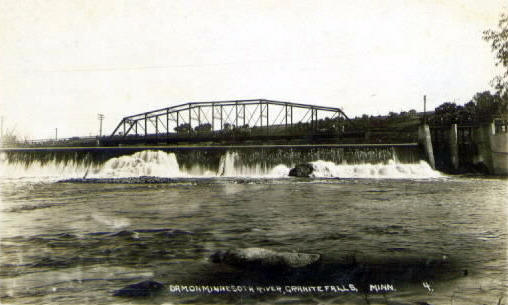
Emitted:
<point x="253" y="117"/>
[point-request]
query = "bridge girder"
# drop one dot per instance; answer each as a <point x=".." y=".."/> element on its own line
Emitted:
<point x="223" y="115"/>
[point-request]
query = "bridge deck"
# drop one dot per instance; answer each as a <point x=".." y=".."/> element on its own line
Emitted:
<point x="180" y="147"/>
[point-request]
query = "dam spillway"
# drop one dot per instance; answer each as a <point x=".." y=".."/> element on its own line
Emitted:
<point x="330" y="161"/>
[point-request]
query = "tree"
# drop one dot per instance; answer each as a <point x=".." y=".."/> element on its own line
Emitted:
<point x="468" y="114"/>
<point x="482" y="108"/>
<point x="183" y="128"/>
<point x="499" y="43"/>
<point x="203" y="128"/>
<point x="446" y="113"/>
<point x="488" y="106"/>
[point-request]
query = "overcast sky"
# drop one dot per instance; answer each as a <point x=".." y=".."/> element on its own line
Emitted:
<point x="63" y="62"/>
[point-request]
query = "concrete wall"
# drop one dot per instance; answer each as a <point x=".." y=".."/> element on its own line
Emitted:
<point x="492" y="149"/>
<point x="481" y="138"/>
<point x="484" y="151"/>
<point x="499" y="151"/>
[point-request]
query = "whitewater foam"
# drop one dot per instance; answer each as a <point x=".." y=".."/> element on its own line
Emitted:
<point x="42" y="172"/>
<point x="231" y="165"/>
<point x="143" y="163"/>
<point x="390" y="170"/>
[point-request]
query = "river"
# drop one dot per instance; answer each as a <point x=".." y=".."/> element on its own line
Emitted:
<point x="388" y="232"/>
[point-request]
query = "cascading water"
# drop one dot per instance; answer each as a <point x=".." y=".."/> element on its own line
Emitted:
<point x="392" y="169"/>
<point x="41" y="171"/>
<point x="272" y="163"/>
<point x="144" y="163"/>
<point x="231" y="165"/>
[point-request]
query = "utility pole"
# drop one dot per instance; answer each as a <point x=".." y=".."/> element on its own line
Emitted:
<point x="100" y="116"/>
<point x="56" y="134"/>
<point x="2" y="127"/>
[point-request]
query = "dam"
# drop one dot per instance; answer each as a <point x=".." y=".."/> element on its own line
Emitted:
<point x="333" y="161"/>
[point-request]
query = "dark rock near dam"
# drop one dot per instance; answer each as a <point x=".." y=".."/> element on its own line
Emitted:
<point x="302" y="170"/>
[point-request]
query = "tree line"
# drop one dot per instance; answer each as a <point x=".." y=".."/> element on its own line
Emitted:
<point x="484" y="107"/>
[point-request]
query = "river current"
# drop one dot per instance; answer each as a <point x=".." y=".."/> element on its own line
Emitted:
<point x="387" y="233"/>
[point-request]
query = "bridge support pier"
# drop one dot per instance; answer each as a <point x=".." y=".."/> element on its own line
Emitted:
<point x="454" y="147"/>
<point x="424" y="139"/>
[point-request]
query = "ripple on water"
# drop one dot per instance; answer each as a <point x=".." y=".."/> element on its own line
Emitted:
<point x="167" y="232"/>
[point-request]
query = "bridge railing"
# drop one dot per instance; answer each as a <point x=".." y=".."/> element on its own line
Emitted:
<point x="73" y="141"/>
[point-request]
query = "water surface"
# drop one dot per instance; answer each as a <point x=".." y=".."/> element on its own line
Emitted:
<point x="66" y="243"/>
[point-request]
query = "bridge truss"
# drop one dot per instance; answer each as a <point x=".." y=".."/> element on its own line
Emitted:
<point x="216" y="116"/>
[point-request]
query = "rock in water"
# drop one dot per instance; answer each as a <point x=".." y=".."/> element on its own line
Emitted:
<point x="264" y="257"/>
<point x="141" y="289"/>
<point x="301" y="170"/>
